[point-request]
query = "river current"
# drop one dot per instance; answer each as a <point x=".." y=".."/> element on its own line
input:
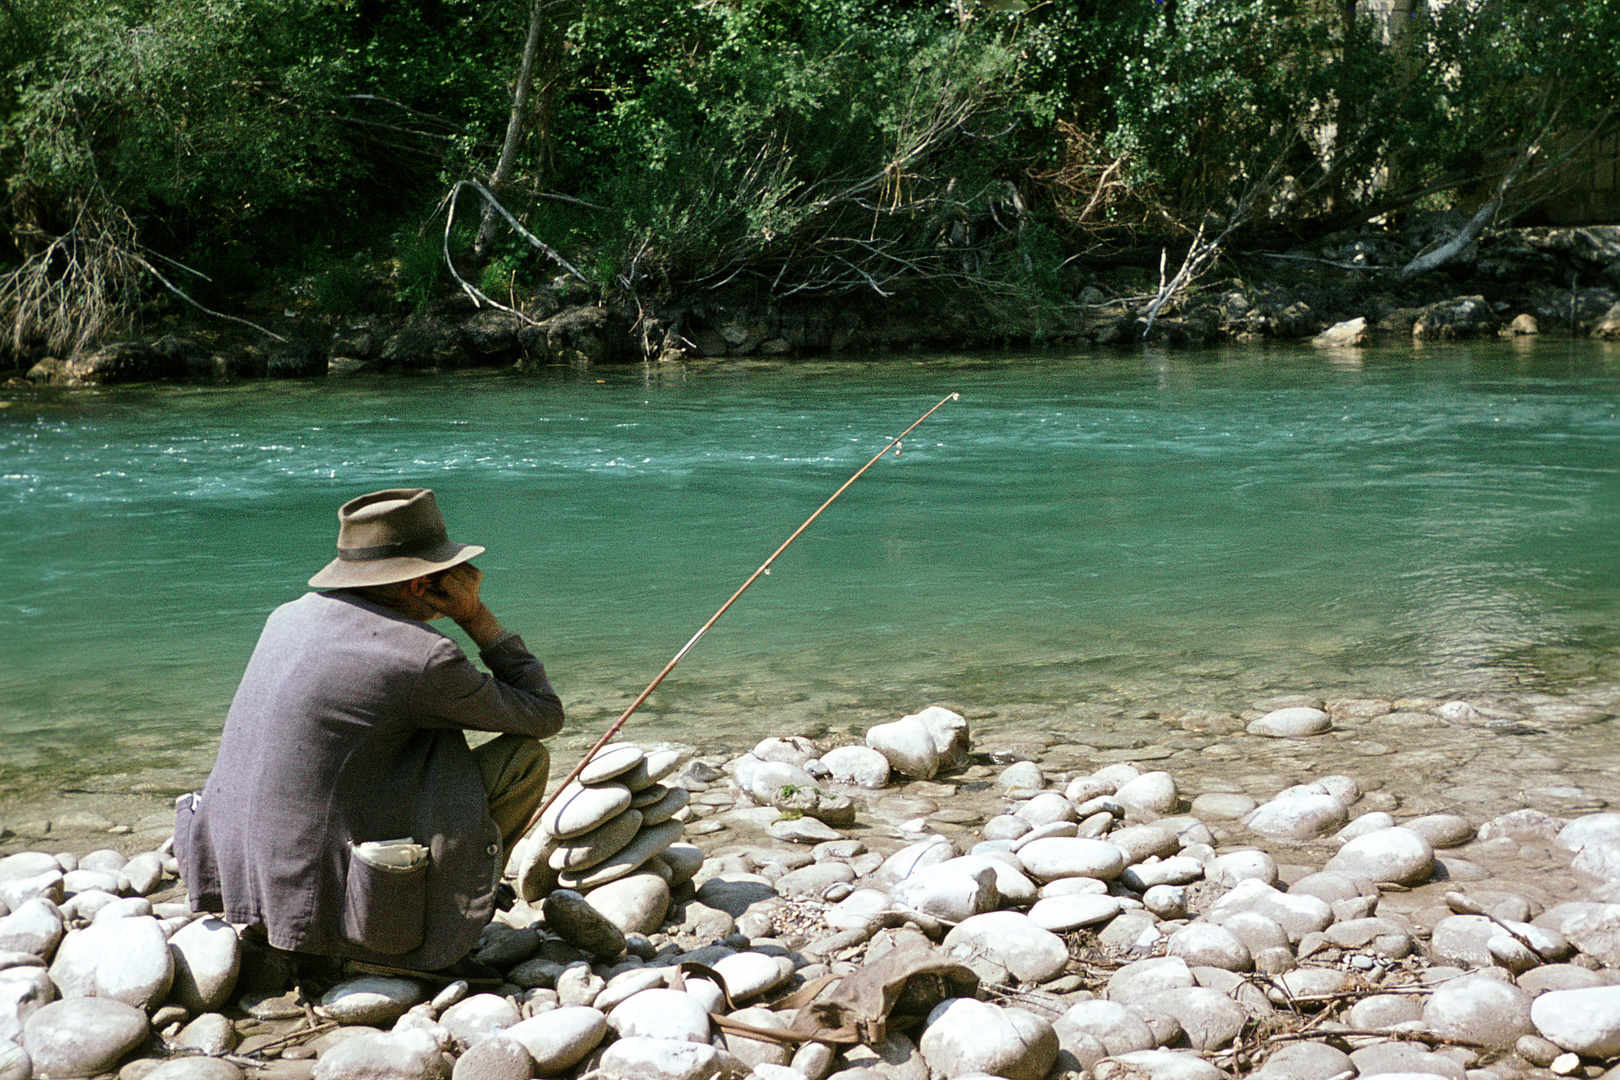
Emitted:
<point x="1087" y="532"/>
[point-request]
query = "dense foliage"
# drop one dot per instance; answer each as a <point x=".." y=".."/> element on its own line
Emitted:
<point x="276" y="152"/>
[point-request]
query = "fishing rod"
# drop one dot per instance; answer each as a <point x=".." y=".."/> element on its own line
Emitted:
<point x="764" y="568"/>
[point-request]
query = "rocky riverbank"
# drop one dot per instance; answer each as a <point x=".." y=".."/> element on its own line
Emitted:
<point x="1277" y="905"/>
<point x="1344" y="291"/>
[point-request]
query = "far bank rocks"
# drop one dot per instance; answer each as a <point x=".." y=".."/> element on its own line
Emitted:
<point x="1341" y="292"/>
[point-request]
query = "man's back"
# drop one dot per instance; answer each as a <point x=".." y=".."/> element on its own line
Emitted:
<point x="346" y="729"/>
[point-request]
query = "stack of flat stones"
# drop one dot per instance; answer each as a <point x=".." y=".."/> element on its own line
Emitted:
<point x="612" y="838"/>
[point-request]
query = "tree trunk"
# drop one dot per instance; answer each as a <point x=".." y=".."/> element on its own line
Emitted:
<point x="1447" y="251"/>
<point x="514" y="128"/>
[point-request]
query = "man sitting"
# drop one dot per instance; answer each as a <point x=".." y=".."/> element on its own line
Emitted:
<point x="346" y="814"/>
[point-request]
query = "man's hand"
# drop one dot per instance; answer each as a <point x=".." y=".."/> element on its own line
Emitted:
<point x="454" y="592"/>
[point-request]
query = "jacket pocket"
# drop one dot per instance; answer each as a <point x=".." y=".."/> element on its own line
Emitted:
<point x="384" y="907"/>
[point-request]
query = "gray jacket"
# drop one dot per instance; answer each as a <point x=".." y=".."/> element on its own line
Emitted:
<point x="347" y="728"/>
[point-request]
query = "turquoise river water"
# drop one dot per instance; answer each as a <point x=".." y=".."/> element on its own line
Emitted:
<point x="1194" y="529"/>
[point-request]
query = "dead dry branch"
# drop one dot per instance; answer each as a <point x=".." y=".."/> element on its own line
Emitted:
<point x="75" y="287"/>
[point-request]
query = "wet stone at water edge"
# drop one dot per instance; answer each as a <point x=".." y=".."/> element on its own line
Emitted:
<point x="1126" y="912"/>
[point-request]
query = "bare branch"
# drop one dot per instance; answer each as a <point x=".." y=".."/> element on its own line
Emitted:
<point x="517" y="227"/>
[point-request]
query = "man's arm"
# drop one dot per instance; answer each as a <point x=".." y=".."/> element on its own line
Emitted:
<point x="519" y="698"/>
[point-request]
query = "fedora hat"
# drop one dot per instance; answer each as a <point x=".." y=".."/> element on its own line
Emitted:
<point x="390" y="536"/>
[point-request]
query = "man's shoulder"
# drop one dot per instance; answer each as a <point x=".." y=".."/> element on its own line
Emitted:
<point x="347" y="614"/>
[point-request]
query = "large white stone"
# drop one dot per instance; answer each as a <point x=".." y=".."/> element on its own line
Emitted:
<point x="908" y="746"/>
<point x="610" y="761"/>
<point x="647" y="843"/>
<point x="475" y="1018"/>
<point x="752" y="1052"/>
<point x="559" y="1039"/>
<point x="47" y="886"/>
<point x="929" y="851"/>
<point x="81" y="1036"/>
<point x="495" y="1058"/>
<point x="124" y="959"/>
<point x="36" y="928"/>
<point x="579" y="809"/>
<point x="1156" y="1065"/>
<point x="1016" y="942"/>
<point x="764" y="781"/>
<point x="1590" y="829"/>
<point x="1022" y="776"/>
<point x="949" y="891"/>
<point x="1045" y="808"/>
<point x="965" y="1036"/>
<point x="1064" y="856"/>
<point x="635" y="904"/>
<point x="640" y="1058"/>
<point x="1294" y="722"/>
<point x="1395" y="855"/>
<point x="750" y="974"/>
<point x="588" y="849"/>
<point x="27" y="864"/>
<point x="144" y="871"/>
<point x="1060" y="913"/>
<point x="1208" y="1018"/>
<point x="1305" y="1061"/>
<point x="78" y="881"/>
<point x="411" y="1052"/>
<point x="950" y="733"/>
<point x="1012" y="883"/>
<point x="207" y="956"/>
<point x="857" y="910"/>
<point x="1443" y="830"/>
<point x="1236" y="866"/>
<point x="1203" y="944"/>
<point x="1405" y="1061"/>
<point x="858" y="765"/>
<point x="1140" y="842"/>
<point x="1155" y="791"/>
<point x="1586" y="1021"/>
<point x="1479" y="1009"/>
<point x="814" y="880"/>
<point x="1143" y="978"/>
<point x="371" y="999"/>
<point x="628" y="983"/>
<point x="1297" y="915"/>
<point x="794" y="750"/>
<point x="1176" y="870"/>
<point x="1119" y="1028"/>
<point x="23" y="990"/>
<point x="661" y="1013"/>
<point x="1299" y="817"/>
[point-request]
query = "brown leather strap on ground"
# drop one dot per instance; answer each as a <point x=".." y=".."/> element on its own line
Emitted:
<point x="803" y="996"/>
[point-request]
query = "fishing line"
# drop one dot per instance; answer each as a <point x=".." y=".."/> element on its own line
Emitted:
<point x="764" y="568"/>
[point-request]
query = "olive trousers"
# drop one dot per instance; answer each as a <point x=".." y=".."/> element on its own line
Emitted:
<point x="514" y="769"/>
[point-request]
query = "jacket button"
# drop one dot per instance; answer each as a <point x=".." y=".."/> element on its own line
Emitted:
<point x="493" y="849"/>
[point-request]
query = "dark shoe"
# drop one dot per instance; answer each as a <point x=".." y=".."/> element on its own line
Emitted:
<point x="477" y="976"/>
